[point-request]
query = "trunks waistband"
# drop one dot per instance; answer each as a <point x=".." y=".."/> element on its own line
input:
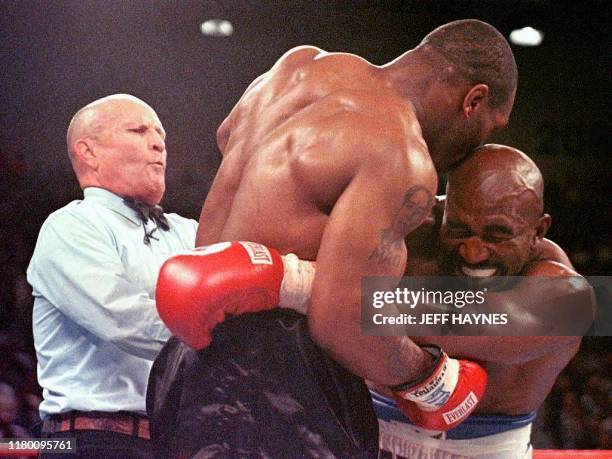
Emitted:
<point x="477" y="425"/>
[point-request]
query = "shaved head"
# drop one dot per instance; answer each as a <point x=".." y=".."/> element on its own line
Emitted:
<point x="90" y="120"/>
<point x="497" y="173"/>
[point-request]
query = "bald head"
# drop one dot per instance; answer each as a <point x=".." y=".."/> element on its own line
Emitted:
<point x="90" y="120"/>
<point x="497" y="174"/>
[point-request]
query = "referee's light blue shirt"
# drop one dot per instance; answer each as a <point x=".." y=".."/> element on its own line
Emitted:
<point x="96" y="329"/>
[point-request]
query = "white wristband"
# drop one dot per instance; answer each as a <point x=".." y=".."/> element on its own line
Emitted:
<point x="435" y="391"/>
<point x="297" y="283"/>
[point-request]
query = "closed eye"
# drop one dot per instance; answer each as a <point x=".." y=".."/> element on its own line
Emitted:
<point x="139" y="129"/>
<point x="457" y="231"/>
<point x="497" y="233"/>
<point x="497" y="237"/>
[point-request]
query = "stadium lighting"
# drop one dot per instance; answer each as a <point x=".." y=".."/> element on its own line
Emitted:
<point x="527" y="36"/>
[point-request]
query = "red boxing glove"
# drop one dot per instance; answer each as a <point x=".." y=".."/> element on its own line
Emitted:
<point x="446" y="396"/>
<point x="196" y="289"/>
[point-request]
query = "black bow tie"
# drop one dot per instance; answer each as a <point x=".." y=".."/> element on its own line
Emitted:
<point x="146" y="212"/>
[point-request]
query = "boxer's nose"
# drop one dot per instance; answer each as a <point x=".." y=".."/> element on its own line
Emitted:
<point x="473" y="251"/>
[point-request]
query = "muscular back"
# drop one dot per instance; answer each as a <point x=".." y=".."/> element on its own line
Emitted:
<point x="292" y="144"/>
<point x="324" y="158"/>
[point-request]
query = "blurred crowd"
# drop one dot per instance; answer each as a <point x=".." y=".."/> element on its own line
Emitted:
<point x="577" y="413"/>
<point x="19" y="391"/>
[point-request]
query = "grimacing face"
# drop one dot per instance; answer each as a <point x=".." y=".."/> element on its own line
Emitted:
<point x="484" y="236"/>
<point x="132" y="152"/>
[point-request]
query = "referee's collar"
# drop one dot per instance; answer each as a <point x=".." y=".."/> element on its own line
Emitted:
<point x="112" y="201"/>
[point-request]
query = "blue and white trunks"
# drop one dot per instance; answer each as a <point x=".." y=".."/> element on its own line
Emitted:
<point x="480" y="436"/>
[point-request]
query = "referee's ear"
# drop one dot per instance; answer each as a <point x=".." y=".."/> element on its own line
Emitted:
<point x="85" y="154"/>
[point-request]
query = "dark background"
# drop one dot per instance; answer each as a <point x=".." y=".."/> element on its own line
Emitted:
<point x="57" y="56"/>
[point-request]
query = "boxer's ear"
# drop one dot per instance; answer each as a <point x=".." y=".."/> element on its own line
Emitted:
<point x="474" y="98"/>
<point x="543" y="224"/>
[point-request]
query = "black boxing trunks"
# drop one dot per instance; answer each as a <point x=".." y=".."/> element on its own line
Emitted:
<point x="261" y="389"/>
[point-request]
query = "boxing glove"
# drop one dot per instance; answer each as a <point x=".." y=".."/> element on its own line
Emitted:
<point x="195" y="290"/>
<point x="446" y="396"/>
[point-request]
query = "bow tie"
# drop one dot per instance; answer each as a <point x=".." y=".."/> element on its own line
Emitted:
<point x="146" y="212"/>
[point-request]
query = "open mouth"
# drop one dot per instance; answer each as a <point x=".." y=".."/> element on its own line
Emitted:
<point x="478" y="272"/>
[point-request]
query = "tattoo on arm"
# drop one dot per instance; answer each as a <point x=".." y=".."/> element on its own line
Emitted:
<point x="417" y="203"/>
<point x="389" y="249"/>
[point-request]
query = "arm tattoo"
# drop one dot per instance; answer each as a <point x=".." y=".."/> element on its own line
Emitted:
<point x="389" y="249"/>
<point x="418" y="201"/>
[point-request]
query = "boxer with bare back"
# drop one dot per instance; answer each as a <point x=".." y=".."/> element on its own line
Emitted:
<point x="333" y="159"/>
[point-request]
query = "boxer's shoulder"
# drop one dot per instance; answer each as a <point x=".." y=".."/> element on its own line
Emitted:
<point x="557" y="277"/>
<point x="306" y="54"/>
<point x="547" y="250"/>
<point x="562" y="283"/>
<point x="549" y="268"/>
<point x="300" y="54"/>
<point x="297" y="62"/>
<point x="325" y="72"/>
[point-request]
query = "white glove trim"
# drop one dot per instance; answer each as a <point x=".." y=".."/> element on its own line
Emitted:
<point x="297" y="283"/>
<point x="431" y="394"/>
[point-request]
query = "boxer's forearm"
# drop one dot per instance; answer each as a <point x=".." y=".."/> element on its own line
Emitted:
<point x="386" y="360"/>
<point x="543" y="305"/>
<point x="509" y="350"/>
